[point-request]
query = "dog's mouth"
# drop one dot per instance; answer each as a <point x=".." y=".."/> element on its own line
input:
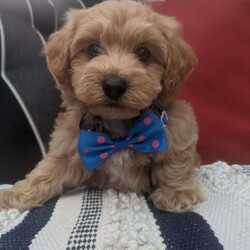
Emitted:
<point x="114" y="104"/>
<point x="114" y="110"/>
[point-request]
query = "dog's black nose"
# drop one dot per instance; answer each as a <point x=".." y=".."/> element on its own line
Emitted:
<point x="114" y="86"/>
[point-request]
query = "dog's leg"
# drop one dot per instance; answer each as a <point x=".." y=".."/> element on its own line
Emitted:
<point x="51" y="176"/>
<point x="176" y="188"/>
<point x="172" y="171"/>
<point x="48" y="179"/>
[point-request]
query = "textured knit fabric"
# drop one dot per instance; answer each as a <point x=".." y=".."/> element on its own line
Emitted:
<point x="94" y="219"/>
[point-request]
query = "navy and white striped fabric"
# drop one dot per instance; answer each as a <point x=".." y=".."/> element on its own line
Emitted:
<point x="94" y="219"/>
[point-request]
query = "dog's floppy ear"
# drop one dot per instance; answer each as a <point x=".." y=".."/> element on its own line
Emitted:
<point x="57" y="48"/>
<point x="180" y="58"/>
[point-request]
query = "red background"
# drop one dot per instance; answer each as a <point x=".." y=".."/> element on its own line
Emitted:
<point x="219" y="87"/>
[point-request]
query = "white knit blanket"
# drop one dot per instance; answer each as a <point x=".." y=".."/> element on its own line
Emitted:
<point x="95" y="219"/>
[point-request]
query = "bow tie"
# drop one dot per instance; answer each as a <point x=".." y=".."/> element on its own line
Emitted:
<point x="147" y="134"/>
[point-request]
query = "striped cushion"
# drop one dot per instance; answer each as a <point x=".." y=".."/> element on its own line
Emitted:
<point x="94" y="219"/>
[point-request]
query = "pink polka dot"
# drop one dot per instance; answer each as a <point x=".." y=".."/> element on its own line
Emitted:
<point x="128" y="138"/>
<point x="141" y="138"/>
<point x="104" y="155"/>
<point x="147" y="120"/>
<point x="85" y="151"/>
<point x="155" y="144"/>
<point x="130" y="145"/>
<point x="112" y="146"/>
<point x="100" y="139"/>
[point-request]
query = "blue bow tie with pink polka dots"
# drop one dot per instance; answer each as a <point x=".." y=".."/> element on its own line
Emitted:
<point x="147" y="134"/>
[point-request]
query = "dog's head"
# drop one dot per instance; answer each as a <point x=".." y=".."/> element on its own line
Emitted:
<point x="118" y="58"/>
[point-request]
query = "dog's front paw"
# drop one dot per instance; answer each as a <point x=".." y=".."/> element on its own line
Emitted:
<point x="176" y="201"/>
<point x="4" y="204"/>
<point x="10" y="199"/>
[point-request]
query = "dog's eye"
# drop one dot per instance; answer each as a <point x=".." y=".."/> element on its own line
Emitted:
<point x="94" y="50"/>
<point x="143" y="54"/>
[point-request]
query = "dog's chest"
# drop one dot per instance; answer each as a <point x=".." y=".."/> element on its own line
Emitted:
<point x="126" y="169"/>
<point x="121" y="157"/>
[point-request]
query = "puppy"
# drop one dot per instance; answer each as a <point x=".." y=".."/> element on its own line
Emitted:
<point x="143" y="59"/>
